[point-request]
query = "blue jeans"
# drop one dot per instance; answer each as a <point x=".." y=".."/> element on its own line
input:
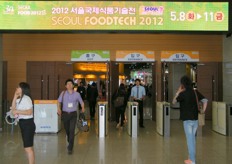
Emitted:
<point x="190" y="128"/>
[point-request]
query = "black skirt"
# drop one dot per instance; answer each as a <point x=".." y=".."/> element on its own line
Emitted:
<point x="27" y="127"/>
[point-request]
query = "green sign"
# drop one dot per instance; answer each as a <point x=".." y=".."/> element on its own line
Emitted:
<point x="114" y="15"/>
<point x="90" y="55"/>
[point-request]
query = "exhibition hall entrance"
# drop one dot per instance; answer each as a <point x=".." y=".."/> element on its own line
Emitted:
<point x="171" y="74"/>
<point x="205" y="78"/>
<point x="89" y="73"/>
<point x="129" y="72"/>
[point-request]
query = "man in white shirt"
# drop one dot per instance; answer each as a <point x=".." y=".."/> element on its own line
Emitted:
<point x="138" y="94"/>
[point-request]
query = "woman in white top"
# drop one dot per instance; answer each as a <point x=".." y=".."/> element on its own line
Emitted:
<point x="23" y="107"/>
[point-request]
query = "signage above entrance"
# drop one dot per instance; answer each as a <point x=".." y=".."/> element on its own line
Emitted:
<point x="135" y="56"/>
<point x="90" y="55"/>
<point x="114" y="15"/>
<point x="180" y="56"/>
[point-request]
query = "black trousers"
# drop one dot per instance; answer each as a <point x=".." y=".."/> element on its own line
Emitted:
<point x="140" y="112"/>
<point x="92" y="105"/>
<point x="70" y="120"/>
<point x="120" y="112"/>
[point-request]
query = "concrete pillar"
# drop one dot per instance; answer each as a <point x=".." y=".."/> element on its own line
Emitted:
<point x="1" y="73"/>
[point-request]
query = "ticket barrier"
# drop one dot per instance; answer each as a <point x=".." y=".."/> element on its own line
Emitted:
<point x="102" y="119"/>
<point x="222" y="118"/>
<point x="219" y="117"/>
<point x="163" y="118"/>
<point x="132" y="115"/>
<point x="229" y="119"/>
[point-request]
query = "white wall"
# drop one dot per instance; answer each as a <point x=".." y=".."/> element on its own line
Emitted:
<point x="227" y="69"/>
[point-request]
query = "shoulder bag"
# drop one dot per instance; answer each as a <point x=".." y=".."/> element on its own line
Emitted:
<point x="119" y="101"/>
<point x="201" y="114"/>
<point x="82" y="124"/>
<point x="62" y="101"/>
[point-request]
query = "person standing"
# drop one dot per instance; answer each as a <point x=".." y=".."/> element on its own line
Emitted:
<point x="81" y="89"/>
<point x="22" y="106"/>
<point x="138" y="94"/>
<point x="70" y="100"/>
<point x="120" y="110"/>
<point x="92" y="95"/>
<point x="187" y="97"/>
<point x="129" y="90"/>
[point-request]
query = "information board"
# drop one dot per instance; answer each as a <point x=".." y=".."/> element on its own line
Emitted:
<point x="114" y="15"/>
<point x="46" y="117"/>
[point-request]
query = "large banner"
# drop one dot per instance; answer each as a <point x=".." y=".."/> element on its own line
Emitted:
<point x="114" y="15"/>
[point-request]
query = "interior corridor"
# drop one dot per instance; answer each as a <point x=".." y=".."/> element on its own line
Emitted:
<point x="118" y="147"/>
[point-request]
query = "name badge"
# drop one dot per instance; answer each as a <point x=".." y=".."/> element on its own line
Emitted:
<point x="70" y="105"/>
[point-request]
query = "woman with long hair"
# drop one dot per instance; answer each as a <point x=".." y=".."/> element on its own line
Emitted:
<point x="187" y="97"/>
<point x="22" y="106"/>
<point x="120" y="110"/>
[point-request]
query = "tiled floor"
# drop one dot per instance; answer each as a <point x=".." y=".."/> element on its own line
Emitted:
<point x="118" y="147"/>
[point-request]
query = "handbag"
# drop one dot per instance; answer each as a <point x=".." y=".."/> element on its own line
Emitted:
<point x="201" y="114"/>
<point x="118" y="102"/>
<point x="82" y="124"/>
<point x="201" y="119"/>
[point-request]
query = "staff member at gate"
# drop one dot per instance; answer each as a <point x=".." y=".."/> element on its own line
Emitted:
<point x="138" y="94"/>
<point x="70" y="100"/>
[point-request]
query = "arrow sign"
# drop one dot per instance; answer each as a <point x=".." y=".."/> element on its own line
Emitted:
<point x="198" y="16"/>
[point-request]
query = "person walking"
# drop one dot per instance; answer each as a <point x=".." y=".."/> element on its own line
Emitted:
<point x="138" y="94"/>
<point x="22" y="106"/>
<point x="92" y="95"/>
<point x="120" y="110"/>
<point x="67" y="108"/>
<point x="187" y="97"/>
